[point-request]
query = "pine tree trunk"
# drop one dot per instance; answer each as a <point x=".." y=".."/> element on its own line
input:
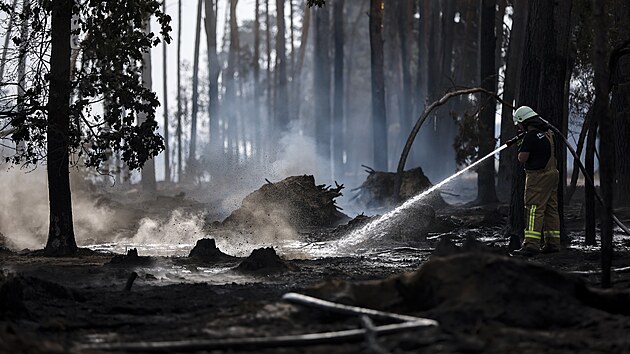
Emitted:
<point x="230" y="84"/>
<point x="338" y="114"/>
<point x="270" y="116"/>
<point x="379" y="119"/>
<point x="61" y="240"/>
<point x="282" y="91"/>
<point x="405" y="29"/>
<point x="606" y="141"/>
<point x="620" y="104"/>
<point x="322" y="84"/>
<point x="590" y="217"/>
<point x="178" y="129"/>
<point x="510" y="94"/>
<point x="485" y="173"/>
<point x="258" y="153"/>
<point x="7" y="38"/>
<point x="192" y="152"/>
<point x="167" y="149"/>
<point x="148" y="170"/>
<point x="216" y="145"/>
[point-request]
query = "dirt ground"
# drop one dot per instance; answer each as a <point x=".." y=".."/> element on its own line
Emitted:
<point x="458" y="272"/>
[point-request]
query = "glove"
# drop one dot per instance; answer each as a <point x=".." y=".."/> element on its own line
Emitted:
<point x="516" y="140"/>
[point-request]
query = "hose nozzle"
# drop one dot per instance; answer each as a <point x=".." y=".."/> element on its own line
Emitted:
<point x="515" y="139"/>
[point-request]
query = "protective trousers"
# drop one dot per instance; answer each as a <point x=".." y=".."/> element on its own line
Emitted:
<point x="541" y="203"/>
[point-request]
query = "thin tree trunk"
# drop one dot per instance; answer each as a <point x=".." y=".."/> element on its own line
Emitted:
<point x="485" y="173"/>
<point x="230" y="84"/>
<point x="379" y="119"/>
<point x="580" y="146"/>
<point x="167" y="160"/>
<point x="510" y="94"/>
<point x="297" y="73"/>
<point x="216" y="145"/>
<point x="606" y="141"/>
<point x="178" y="131"/>
<point x="338" y="113"/>
<point x="322" y="82"/>
<point x="192" y="156"/>
<point x="282" y="90"/>
<point x="589" y="190"/>
<point x="148" y="170"/>
<point x="405" y="29"/>
<point x="61" y="240"/>
<point x="255" y="61"/>
<point x="7" y="38"/>
<point x="270" y="117"/>
<point x="292" y="36"/>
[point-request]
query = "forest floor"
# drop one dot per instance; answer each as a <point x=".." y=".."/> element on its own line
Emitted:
<point x="483" y="300"/>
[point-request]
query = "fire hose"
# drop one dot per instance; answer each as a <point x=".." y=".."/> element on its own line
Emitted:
<point x="587" y="177"/>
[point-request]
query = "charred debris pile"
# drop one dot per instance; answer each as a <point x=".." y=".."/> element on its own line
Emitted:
<point x="296" y="200"/>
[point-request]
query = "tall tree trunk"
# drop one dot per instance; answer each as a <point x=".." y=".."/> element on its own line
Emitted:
<point x="297" y="71"/>
<point x="148" y="170"/>
<point x="620" y="104"/>
<point x="405" y="29"/>
<point x="292" y="37"/>
<point x="321" y="81"/>
<point x="7" y="38"/>
<point x="485" y="173"/>
<point x="589" y="190"/>
<point x="510" y="94"/>
<point x="606" y="141"/>
<point x="282" y="91"/>
<point x="214" y="69"/>
<point x="338" y="114"/>
<point x="531" y="72"/>
<point x="167" y="160"/>
<point x="255" y="62"/>
<point x="192" y="152"/>
<point x="379" y="119"/>
<point x="229" y="82"/>
<point x="61" y="240"/>
<point x="178" y="129"/>
<point x="270" y="115"/>
<point x="552" y="90"/>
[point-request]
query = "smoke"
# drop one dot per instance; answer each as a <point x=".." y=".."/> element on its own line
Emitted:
<point x="24" y="211"/>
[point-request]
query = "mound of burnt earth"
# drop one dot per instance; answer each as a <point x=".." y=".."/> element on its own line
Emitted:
<point x="206" y="251"/>
<point x="131" y="259"/>
<point x="263" y="260"/>
<point x="295" y="201"/>
<point x="17" y="291"/>
<point x="469" y="289"/>
<point x="378" y="189"/>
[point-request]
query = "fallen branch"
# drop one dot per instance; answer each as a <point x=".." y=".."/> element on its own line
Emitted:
<point x="423" y="117"/>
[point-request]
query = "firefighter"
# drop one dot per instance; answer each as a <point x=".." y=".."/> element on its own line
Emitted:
<point x="537" y="153"/>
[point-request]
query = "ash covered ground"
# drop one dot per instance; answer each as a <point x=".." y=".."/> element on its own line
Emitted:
<point x="181" y="277"/>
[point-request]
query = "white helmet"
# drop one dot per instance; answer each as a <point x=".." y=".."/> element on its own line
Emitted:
<point x="522" y="114"/>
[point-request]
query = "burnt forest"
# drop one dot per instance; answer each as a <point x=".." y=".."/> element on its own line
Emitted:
<point x="314" y="176"/>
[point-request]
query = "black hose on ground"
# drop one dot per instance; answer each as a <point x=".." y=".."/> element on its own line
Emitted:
<point x="587" y="177"/>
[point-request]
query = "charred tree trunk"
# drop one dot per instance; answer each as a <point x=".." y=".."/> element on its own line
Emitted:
<point x="379" y="119"/>
<point x="192" y="152"/>
<point x="510" y="94"/>
<point x="486" y="192"/>
<point x="61" y="240"/>
<point x="229" y="81"/>
<point x="620" y="104"/>
<point x="178" y="129"/>
<point x="282" y="90"/>
<point x="552" y="100"/>
<point x="148" y="170"/>
<point x="590" y="218"/>
<point x="270" y="117"/>
<point x="297" y="73"/>
<point x="580" y="146"/>
<point x="606" y="141"/>
<point x="321" y="82"/>
<point x="214" y="69"/>
<point x="338" y="114"/>
<point x="405" y="29"/>
<point x="167" y="149"/>
<point x="255" y="62"/>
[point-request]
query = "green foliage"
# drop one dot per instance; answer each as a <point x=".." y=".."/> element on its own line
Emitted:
<point x="108" y="72"/>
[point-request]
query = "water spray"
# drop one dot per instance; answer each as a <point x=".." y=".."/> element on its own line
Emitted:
<point x="587" y="177"/>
